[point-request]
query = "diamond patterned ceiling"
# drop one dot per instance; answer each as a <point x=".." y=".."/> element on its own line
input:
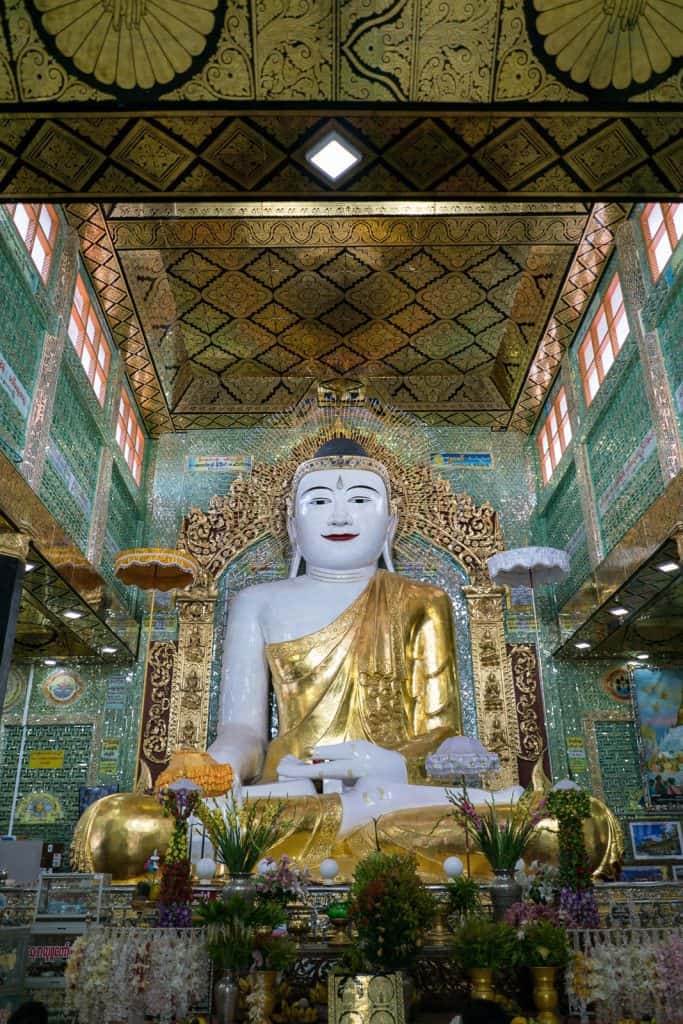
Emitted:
<point x="456" y="313"/>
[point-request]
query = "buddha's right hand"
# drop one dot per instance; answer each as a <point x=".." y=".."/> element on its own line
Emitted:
<point x="355" y="759"/>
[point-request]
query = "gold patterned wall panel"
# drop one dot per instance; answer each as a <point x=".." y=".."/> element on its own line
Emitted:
<point x="387" y="52"/>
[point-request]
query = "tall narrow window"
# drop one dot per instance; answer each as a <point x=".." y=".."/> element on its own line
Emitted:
<point x="604" y="339"/>
<point x="87" y="337"/>
<point x="37" y="225"/>
<point x="129" y="436"/>
<point x="554" y="437"/>
<point x="662" y="225"/>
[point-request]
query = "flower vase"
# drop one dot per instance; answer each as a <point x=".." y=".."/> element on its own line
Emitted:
<point x="504" y="892"/>
<point x="482" y="982"/>
<point x="545" y="995"/>
<point x="240" y="883"/>
<point x="225" y="993"/>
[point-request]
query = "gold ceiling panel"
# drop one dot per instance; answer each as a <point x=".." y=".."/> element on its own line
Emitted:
<point x="436" y="307"/>
<point x="189" y="51"/>
<point x="539" y="155"/>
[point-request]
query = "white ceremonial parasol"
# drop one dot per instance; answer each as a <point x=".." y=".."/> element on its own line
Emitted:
<point x="528" y="567"/>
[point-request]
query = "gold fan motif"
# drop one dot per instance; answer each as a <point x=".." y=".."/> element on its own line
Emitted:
<point x="611" y="43"/>
<point x="129" y="43"/>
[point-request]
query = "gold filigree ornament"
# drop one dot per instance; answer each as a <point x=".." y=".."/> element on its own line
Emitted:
<point x="615" y="44"/>
<point x="131" y="44"/>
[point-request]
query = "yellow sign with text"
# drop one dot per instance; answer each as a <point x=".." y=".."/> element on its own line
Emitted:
<point x="43" y="759"/>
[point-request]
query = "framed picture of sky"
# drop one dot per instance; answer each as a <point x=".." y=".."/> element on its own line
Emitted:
<point x="658" y="696"/>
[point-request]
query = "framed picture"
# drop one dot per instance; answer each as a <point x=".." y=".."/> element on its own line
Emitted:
<point x="658" y="700"/>
<point x="656" y="840"/>
<point x="643" y="873"/>
<point x="677" y="872"/>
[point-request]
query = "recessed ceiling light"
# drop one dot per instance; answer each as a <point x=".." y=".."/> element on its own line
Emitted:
<point x="333" y="155"/>
<point x="642" y="657"/>
<point x="71" y="613"/>
<point x="29" y="566"/>
<point x="49" y="661"/>
<point x="582" y="645"/>
<point x="619" y="610"/>
<point x="668" y="566"/>
<point x="109" y="650"/>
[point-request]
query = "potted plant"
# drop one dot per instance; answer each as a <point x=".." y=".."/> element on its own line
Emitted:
<point x="273" y="954"/>
<point x="544" y="949"/>
<point x="501" y="837"/>
<point x="462" y="897"/>
<point x="241" y="834"/>
<point x="481" y="946"/>
<point x="392" y="911"/>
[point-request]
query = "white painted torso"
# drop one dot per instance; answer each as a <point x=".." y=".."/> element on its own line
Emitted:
<point x="290" y="609"/>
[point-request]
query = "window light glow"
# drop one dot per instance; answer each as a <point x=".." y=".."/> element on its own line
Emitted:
<point x="603" y="341"/>
<point x="37" y="225"/>
<point x="333" y="156"/>
<point x="555" y="435"/>
<point x="662" y="225"/>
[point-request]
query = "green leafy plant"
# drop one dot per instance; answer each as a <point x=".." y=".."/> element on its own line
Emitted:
<point x="480" y="942"/>
<point x="462" y="896"/>
<point x="391" y="910"/>
<point x="236" y="928"/>
<point x="241" y="835"/>
<point x="501" y="840"/>
<point x="571" y="807"/>
<point x="275" y="953"/>
<point x="544" y="944"/>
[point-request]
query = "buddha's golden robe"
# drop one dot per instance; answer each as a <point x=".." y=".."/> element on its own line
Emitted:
<point x="384" y="671"/>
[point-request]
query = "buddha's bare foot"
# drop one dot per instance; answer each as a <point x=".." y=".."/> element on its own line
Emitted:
<point x="197" y="766"/>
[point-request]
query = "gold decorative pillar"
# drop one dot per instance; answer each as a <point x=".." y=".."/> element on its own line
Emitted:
<point x="189" y="712"/>
<point x="494" y="690"/>
<point x="657" y="389"/>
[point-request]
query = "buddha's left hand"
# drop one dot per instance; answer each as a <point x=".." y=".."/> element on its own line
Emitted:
<point x="355" y="759"/>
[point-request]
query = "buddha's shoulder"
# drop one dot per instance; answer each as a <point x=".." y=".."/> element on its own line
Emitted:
<point x="411" y="589"/>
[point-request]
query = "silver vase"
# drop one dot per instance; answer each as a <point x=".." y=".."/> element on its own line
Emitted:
<point x="240" y="883"/>
<point x="225" y="993"/>
<point x="504" y="892"/>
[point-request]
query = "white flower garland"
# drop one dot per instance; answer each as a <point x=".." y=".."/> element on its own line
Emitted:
<point x="118" y="975"/>
<point x="634" y="973"/>
<point x="256" y="999"/>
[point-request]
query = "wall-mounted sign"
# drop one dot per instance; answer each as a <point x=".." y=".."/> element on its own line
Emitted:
<point x="12" y="386"/>
<point x="62" y="687"/>
<point x="46" y="759"/>
<point x="109" y="755"/>
<point x="461" y="460"/>
<point x="116" y="692"/>
<point x="39" y="809"/>
<point x="219" y="464"/>
<point x="576" y="754"/>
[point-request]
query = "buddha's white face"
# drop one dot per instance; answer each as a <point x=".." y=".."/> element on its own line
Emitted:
<point x="341" y="518"/>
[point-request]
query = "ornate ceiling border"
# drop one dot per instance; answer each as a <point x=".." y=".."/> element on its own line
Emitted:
<point x="99" y="256"/>
<point x="585" y="272"/>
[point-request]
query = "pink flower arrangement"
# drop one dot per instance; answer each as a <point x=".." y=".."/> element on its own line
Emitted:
<point x="283" y="881"/>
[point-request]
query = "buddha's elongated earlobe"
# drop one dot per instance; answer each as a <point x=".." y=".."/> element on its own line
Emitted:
<point x="386" y="550"/>
<point x="295" y="563"/>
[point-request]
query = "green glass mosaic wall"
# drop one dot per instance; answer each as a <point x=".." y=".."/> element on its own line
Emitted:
<point x="664" y="313"/>
<point x="70" y="477"/>
<point x="622" y="452"/>
<point x="564" y="528"/>
<point x="618" y="761"/>
<point x="23" y="328"/>
<point x="75" y="741"/>
<point x="123" y="529"/>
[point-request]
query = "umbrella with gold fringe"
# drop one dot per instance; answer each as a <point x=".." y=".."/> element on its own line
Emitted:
<point x="155" y="569"/>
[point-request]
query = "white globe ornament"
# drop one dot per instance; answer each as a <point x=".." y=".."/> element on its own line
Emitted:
<point x="206" y="869"/>
<point x="329" y="869"/>
<point x="453" y="867"/>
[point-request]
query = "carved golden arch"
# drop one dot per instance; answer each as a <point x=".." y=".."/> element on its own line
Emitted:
<point x="255" y="510"/>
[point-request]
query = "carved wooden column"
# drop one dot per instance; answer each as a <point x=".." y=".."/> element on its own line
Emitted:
<point x="494" y="691"/>
<point x="189" y="713"/>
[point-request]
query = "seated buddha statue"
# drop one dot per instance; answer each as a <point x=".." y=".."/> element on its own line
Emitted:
<point x="362" y="663"/>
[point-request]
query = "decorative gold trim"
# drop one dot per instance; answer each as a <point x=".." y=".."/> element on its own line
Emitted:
<point x="188" y="720"/>
<point x="14" y="545"/>
<point x="590" y="720"/>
